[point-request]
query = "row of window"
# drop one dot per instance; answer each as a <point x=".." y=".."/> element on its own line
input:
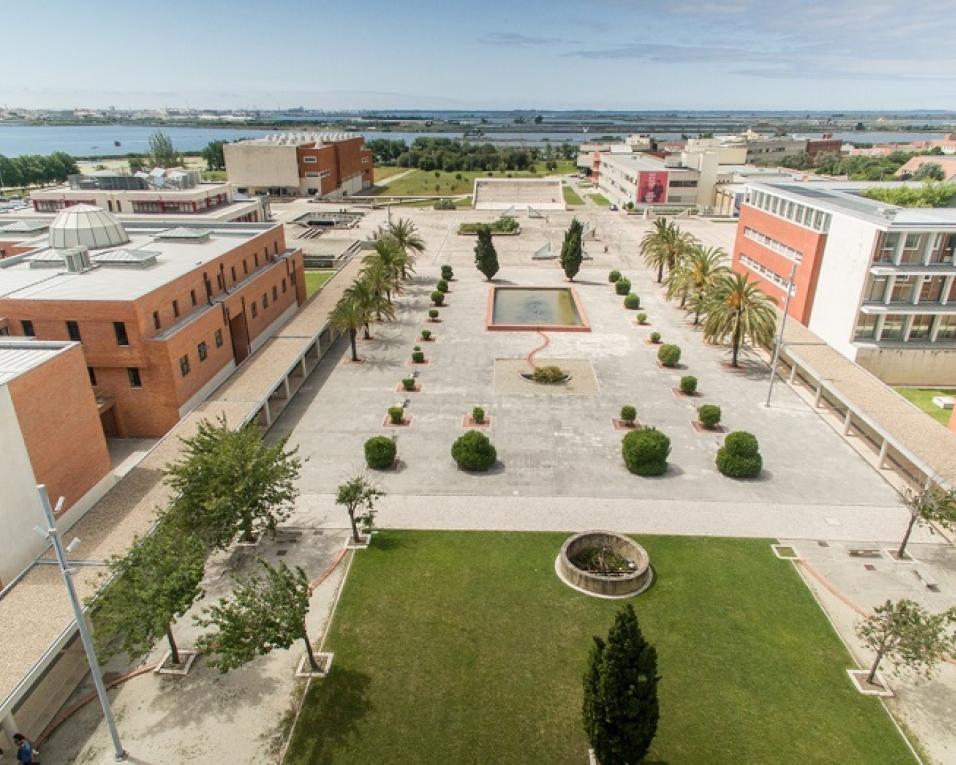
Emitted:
<point x="132" y="374"/>
<point x="789" y="210"/>
<point x="275" y="296"/>
<point x="912" y="248"/>
<point x="772" y="244"/>
<point x="903" y="289"/>
<point x="202" y="351"/>
<point x="73" y="331"/>
<point x="920" y="328"/>
<point x="322" y="174"/>
<point x="766" y="273"/>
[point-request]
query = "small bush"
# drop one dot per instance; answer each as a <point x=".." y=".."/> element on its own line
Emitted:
<point x="396" y="414"/>
<point x="645" y="451"/>
<point x="688" y="385"/>
<point x="418" y="357"/>
<point x="433" y="313"/>
<point x="632" y="302"/>
<point x="478" y="415"/>
<point x="614" y="276"/>
<point x="474" y="451"/>
<point x="622" y="286"/>
<point x="642" y="318"/>
<point x="408" y="383"/>
<point x="628" y="414"/>
<point x="655" y="337"/>
<point x="442" y="286"/>
<point x="668" y="355"/>
<point x="438" y="297"/>
<point x="739" y="457"/>
<point x="444" y="204"/>
<point x="549" y="375"/>
<point x="709" y="415"/>
<point x="416" y="348"/>
<point x="426" y="334"/>
<point x="380" y="452"/>
<point x="447" y="273"/>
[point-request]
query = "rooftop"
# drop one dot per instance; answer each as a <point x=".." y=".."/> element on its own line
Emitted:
<point x="296" y="138"/>
<point x="19" y="356"/>
<point x="638" y="161"/>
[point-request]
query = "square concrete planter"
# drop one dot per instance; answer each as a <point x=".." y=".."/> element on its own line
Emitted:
<point x="699" y="427"/>
<point x="366" y="538"/>
<point x="323" y="659"/>
<point x="253" y="545"/>
<point x="402" y="389"/>
<point x="387" y="422"/>
<point x="619" y="424"/>
<point x="188" y="655"/>
<point x="781" y="552"/>
<point x="468" y="422"/>
<point x="858" y="678"/>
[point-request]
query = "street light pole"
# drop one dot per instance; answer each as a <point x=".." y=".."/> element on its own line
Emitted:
<point x="783" y="323"/>
<point x="52" y="533"/>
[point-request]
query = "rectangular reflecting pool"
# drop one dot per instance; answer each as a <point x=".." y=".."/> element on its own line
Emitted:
<point x="557" y="309"/>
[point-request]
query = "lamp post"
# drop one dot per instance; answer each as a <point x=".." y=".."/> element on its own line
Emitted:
<point x="783" y="323"/>
<point x="52" y="534"/>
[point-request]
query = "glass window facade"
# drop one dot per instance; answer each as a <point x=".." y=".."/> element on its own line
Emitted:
<point x="893" y="327"/>
<point x="865" y="327"/>
<point x="921" y="327"/>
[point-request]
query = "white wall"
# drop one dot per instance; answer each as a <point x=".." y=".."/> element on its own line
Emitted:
<point x="928" y="367"/>
<point x="843" y="272"/>
<point x="20" y="508"/>
<point x="260" y="165"/>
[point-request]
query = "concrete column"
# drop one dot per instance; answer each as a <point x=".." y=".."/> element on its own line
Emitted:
<point x="908" y="327"/>
<point x="882" y="458"/>
<point x="847" y="422"/>
<point x="890" y="286"/>
<point x="947" y="287"/>
<point x="9" y="725"/>
<point x="305" y="367"/>
<point x="268" y="414"/>
<point x="934" y="331"/>
<point x="288" y="390"/>
<point x="793" y="373"/>
<point x="816" y="399"/>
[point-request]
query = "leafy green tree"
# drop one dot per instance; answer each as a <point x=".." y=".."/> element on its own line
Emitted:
<point x="701" y="270"/>
<point x="620" y="708"/>
<point x="914" y="639"/>
<point x="930" y="194"/>
<point x="347" y="316"/>
<point x="355" y="495"/>
<point x="214" y="156"/>
<point x="230" y="481"/>
<point x="930" y="506"/>
<point x="392" y="263"/>
<point x="405" y="234"/>
<point x="665" y="246"/>
<point x="572" y="250"/>
<point x="930" y="171"/>
<point x="371" y="302"/>
<point x="152" y="585"/>
<point x="264" y="613"/>
<point x="137" y="163"/>
<point x="736" y="308"/>
<point x="162" y="153"/>
<point x="486" y="258"/>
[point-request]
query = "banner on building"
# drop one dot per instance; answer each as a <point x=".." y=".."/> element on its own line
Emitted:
<point x="652" y="188"/>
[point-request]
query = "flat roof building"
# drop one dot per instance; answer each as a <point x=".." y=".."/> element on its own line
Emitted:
<point x="643" y="180"/>
<point x="164" y="313"/>
<point x="300" y="164"/>
<point x="874" y="280"/>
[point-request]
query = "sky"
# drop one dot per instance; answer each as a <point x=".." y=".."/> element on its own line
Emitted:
<point x="491" y="54"/>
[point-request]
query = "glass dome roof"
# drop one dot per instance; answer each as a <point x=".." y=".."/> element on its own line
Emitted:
<point x="86" y="226"/>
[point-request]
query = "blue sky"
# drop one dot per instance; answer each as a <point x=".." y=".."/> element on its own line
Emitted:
<point x="488" y="54"/>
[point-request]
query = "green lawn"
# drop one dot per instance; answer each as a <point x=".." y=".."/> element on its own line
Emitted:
<point x="315" y="278"/>
<point x="382" y="172"/>
<point x="464" y="647"/>
<point x="571" y="197"/>
<point x="462" y="182"/>
<point x="923" y="398"/>
<point x="599" y="199"/>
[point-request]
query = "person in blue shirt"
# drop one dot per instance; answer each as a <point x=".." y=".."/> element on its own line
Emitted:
<point x="25" y="751"/>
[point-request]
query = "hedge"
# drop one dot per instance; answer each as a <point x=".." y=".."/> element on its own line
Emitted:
<point x="380" y="452"/>
<point x="709" y="415"/>
<point x="614" y="276"/>
<point x="669" y="355"/>
<point x="632" y="302"/>
<point x="688" y="385"/>
<point x="622" y="286"/>
<point x="739" y="457"/>
<point x="474" y="451"/>
<point x="645" y="451"/>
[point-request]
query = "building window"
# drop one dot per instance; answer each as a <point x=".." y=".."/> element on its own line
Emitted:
<point x="275" y="248"/>
<point x="245" y="266"/>
<point x="119" y="328"/>
<point x="875" y="290"/>
<point x="932" y="290"/>
<point x="156" y="322"/>
<point x="946" y="331"/>
<point x="176" y="308"/>
<point x="92" y="373"/>
<point x="903" y="290"/>
<point x="255" y="259"/>
<point x="292" y="277"/>
<point x="221" y="281"/>
<point x="184" y="365"/>
<point x="27" y="327"/>
<point x="73" y="330"/>
<point x="134" y="379"/>
<point x="311" y="175"/>
<point x="233" y="269"/>
<point x="912" y="249"/>
<point x="192" y="296"/>
<point x="865" y="327"/>
<point x="942" y="249"/>
<point x="265" y="300"/>
<point x="893" y="327"/>
<point x="203" y="350"/>
<point x="275" y="293"/>
<point x="217" y="336"/>
<point x="283" y="286"/>
<point x="921" y="327"/>
<point x="886" y="252"/>
<point x="254" y="309"/>
<point x="309" y="160"/>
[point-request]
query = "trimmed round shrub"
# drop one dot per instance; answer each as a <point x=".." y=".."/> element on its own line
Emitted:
<point x="438" y="297"/>
<point x="642" y="318"/>
<point x="645" y="451"/>
<point x="396" y="414"/>
<point x="418" y="357"/>
<point x="432" y="313"/>
<point x="478" y="415"/>
<point x="688" y="385"/>
<point x="668" y="355"/>
<point x="709" y="415"/>
<point x="632" y="302"/>
<point x="655" y="337"/>
<point x="408" y="383"/>
<point x="549" y="375"/>
<point x="473" y="451"/>
<point x="614" y="276"/>
<point x="447" y="273"/>
<point x="628" y="413"/>
<point x="380" y="452"/>
<point x="442" y="286"/>
<point x="426" y="334"/>
<point x="622" y="286"/>
<point x="739" y="457"/>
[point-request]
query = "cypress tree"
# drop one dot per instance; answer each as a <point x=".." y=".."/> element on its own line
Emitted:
<point x="572" y="251"/>
<point x="486" y="259"/>
<point x="620" y="709"/>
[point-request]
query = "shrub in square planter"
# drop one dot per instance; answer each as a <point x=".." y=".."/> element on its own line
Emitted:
<point x="655" y="337"/>
<point x="418" y="357"/>
<point x="622" y="286"/>
<point x="447" y="273"/>
<point x="380" y="452"/>
<point x="438" y="297"/>
<point x="396" y="414"/>
<point x="709" y="415"/>
<point x="478" y="415"/>
<point x="474" y="451"/>
<point x="614" y="276"/>
<point x="408" y="383"/>
<point x="426" y="334"/>
<point x="688" y="385"/>
<point x="669" y="355"/>
<point x="632" y="302"/>
<point x="442" y="286"/>
<point x="645" y="451"/>
<point x="628" y="414"/>
<point x="433" y="314"/>
<point x="739" y="457"/>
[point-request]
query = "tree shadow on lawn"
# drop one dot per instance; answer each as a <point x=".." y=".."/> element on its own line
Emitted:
<point x="330" y="717"/>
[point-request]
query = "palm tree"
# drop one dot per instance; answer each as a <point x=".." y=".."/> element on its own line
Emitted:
<point x="737" y="308"/>
<point x="347" y="316"/>
<point x="666" y="246"/>
<point x="390" y="262"/>
<point x="405" y="233"/>
<point x="363" y="291"/>
<point x="702" y="268"/>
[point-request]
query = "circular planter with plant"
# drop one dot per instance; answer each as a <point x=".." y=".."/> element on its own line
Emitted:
<point x="632" y="302"/>
<point x="739" y="457"/>
<point x="622" y="286"/>
<point x="645" y="451"/>
<point x="605" y="564"/>
<point x="474" y="451"/>
<point x="380" y="452"/>
<point x="669" y="355"/>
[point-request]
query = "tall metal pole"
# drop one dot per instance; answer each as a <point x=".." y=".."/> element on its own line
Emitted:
<point x="783" y="324"/>
<point x="53" y="534"/>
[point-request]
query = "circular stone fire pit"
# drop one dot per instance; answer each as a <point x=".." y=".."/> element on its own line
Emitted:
<point x="604" y="564"/>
